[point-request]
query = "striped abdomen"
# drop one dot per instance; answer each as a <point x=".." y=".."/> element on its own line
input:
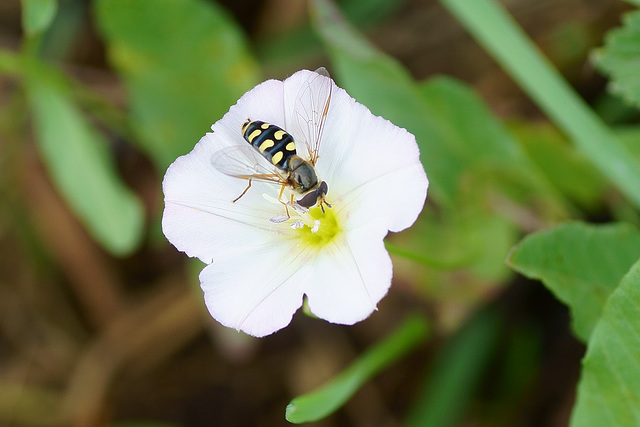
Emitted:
<point x="273" y="143"/>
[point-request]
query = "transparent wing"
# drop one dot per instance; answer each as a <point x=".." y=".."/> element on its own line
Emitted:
<point x="311" y="107"/>
<point x="243" y="161"/>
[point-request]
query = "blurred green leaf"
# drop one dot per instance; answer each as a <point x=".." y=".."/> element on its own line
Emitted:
<point x="565" y="167"/>
<point x="466" y="238"/>
<point x="609" y="389"/>
<point x="331" y="396"/>
<point x="37" y="15"/>
<point x="621" y="209"/>
<point x="293" y="47"/>
<point x="620" y="57"/>
<point x="519" y="363"/>
<point x="477" y="147"/>
<point x="25" y="404"/>
<point x="184" y="64"/>
<point x="581" y="264"/>
<point x="68" y="27"/>
<point x="630" y="137"/>
<point x="10" y="63"/>
<point x="454" y="374"/>
<point x="492" y="26"/>
<point x="79" y="162"/>
<point x="615" y="110"/>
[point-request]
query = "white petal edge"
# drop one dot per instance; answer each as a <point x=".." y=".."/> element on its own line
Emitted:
<point x="396" y="198"/>
<point x="372" y="163"/>
<point x="255" y="289"/>
<point x="351" y="277"/>
<point x="263" y="102"/>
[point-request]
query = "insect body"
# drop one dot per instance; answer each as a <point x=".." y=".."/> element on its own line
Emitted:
<point x="273" y="156"/>
<point x="275" y="144"/>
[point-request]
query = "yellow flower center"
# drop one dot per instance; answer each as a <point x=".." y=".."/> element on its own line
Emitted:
<point x="319" y="228"/>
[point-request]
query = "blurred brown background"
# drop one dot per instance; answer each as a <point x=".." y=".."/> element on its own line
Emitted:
<point x="87" y="339"/>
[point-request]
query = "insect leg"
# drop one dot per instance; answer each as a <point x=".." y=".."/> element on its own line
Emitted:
<point x="243" y="193"/>
<point x="280" y="200"/>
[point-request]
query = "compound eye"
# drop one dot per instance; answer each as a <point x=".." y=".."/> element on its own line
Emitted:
<point x="323" y="189"/>
<point x="308" y="200"/>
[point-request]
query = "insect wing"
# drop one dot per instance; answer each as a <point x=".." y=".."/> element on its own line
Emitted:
<point x="245" y="162"/>
<point x="310" y="111"/>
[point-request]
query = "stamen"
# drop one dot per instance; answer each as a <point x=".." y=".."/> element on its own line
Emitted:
<point x="277" y="219"/>
<point x="318" y="229"/>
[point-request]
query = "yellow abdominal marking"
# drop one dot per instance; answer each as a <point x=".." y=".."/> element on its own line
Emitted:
<point x="278" y="134"/>
<point x="253" y="135"/>
<point x="277" y="157"/>
<point x="265" y="126"/>
<point x="291" y="146"/>
<point x="268" y="143"/>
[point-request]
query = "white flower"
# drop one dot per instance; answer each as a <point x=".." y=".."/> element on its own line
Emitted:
<point x="259" y="271"/>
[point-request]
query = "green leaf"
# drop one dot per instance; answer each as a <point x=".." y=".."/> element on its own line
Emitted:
<point x="10" y="63"/>
<point x="630" y="135"/>
<point x="499" y="34"/>
<point x="455" y="375"/>
<point x="478" y="150"/>
<point x="614" y="110"/>
<point x="331" y="396"/>
<point x="294" y="47"/>
<point x="37" y="15"/>
<point x="569" y="171"/>
<point x="581" y="264"/>
<point x="620" y="57"/>
<point x="80" y="165"/>
<point x="468" y="238"/>
<point x="609" y="389"/>
<point x="184" y="64"/>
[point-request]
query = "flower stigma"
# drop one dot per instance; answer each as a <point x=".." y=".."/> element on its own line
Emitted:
<point x="314" y="226"/>
<point x="318" y="228"/>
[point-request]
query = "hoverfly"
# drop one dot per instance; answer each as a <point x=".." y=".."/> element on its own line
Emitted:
<point x="271" y="155"/>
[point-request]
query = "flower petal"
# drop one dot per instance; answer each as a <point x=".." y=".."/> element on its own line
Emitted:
<point x="255" y="288"/>
<point x="371" y="165"/>
<point x="263" y="102"/>
<point x="350" y="277"/>
<point x="398" y="197"/>
<point x="199" y="217"/>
